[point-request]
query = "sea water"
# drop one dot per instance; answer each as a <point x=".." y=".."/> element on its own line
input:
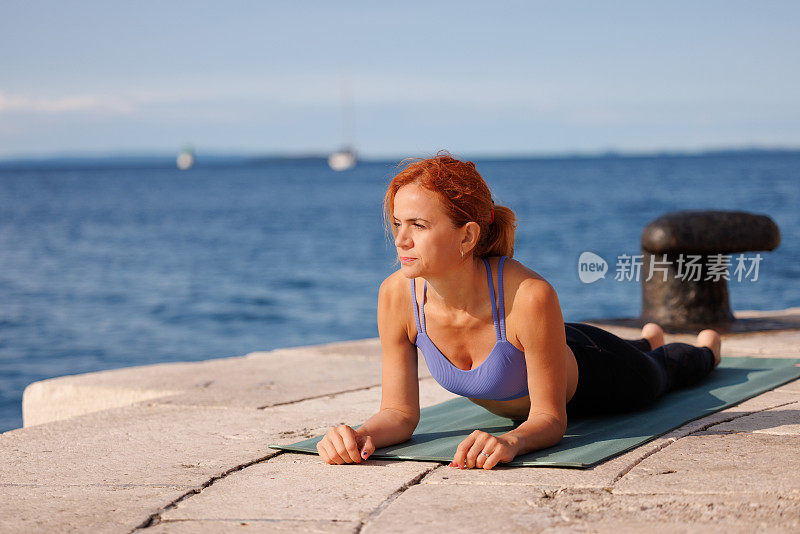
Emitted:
<point x="120" y="264"/>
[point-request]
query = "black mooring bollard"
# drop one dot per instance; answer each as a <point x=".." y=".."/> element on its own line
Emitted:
<point x="677" y="301"/>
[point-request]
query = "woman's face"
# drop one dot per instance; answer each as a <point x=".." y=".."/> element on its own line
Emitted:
<point x="427" y="242"/>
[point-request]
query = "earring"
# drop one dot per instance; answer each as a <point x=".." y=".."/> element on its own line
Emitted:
<point x="462" y="254"/>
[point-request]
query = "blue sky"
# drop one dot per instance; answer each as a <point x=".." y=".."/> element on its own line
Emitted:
<point x="472" y="77"/>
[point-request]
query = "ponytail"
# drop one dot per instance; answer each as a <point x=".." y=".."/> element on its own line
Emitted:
<point x="497" y="236"/>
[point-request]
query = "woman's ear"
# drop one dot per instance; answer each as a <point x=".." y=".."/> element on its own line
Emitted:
<point x="470" y="237"/>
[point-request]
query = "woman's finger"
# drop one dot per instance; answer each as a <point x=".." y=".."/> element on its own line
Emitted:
<point x="460" y="456"/>
<point x="368" y="448"/>
<point x="332" y="457"/>
<point x="335" y="446"/>
<point x="478" y="442"/>
<point x="474" y="453"/>
<point x="350" y="452"/>
<point x="488" y="446"/>
<point x="341" y="450"/>
<point x="323" y="454"/>
<point x="493" y="459"/>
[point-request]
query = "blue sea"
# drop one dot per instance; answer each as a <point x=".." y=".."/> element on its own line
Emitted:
<point x="120" y="263"/>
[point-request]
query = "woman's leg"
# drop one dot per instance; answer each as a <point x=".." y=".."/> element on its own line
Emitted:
<point x="618" y="375"/>
<point x="640" y="344"/>
<point x="685" y="364"/>
<point x="652" y="338"/>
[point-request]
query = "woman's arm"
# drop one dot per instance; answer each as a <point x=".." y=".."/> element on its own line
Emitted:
<point x="543" y="339"/>
<point x="544" y="342"/>
<point x="399" y="412"/>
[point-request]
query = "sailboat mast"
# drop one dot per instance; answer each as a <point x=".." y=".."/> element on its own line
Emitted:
<point x="348" y="126"/>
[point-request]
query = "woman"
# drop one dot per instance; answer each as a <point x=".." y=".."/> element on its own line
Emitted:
<point x="513" y="355"/>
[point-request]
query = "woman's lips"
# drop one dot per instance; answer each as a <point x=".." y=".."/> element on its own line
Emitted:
<point x="404" y="259"/>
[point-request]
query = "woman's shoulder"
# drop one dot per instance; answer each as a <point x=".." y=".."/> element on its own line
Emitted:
<point x="395" y="283"/>
<point x="529" y="296"/>
<point x="394" y="305"/>
<point x="395" y="291"/>
<point x="520" y="282"/>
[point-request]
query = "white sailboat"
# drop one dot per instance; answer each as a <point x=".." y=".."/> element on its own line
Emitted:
<point x="345" y="159"/>
<point x="342" y="160"/>
<point x="185" y="158"/>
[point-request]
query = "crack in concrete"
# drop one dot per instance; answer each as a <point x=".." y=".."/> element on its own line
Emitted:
<point x="331" y="395"/>
<point x="312" y="397"/>
<point x="704" y="427"/>
<point x="639" y="460"/>
<point x="391" y="498"/>
<point x="244" y="521"/>
<point x="91" y="485"/>
<point x="745" y="414"/>
<point x="155" y="518"/>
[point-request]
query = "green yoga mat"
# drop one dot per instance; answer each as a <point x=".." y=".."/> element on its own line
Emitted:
<point x="593" y="439"/>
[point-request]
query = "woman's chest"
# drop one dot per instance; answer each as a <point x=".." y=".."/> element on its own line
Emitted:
<point x="466" y="345"/>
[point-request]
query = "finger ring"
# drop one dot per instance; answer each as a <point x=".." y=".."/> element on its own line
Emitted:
<point x="484" y="453"/>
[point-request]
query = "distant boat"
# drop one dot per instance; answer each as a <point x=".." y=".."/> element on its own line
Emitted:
<point x="185" y="159"/>
<point x="342" y="160"/>
<point x="345" y="159"/>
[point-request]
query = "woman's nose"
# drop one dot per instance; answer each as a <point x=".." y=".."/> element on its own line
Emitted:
<point x="401" y="238"/>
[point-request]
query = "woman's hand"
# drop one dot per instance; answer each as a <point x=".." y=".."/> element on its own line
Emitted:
<point x="343" y="445"/>
<point x="468" y="452"/>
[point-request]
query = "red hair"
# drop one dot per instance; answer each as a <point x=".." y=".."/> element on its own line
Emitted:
<point x="465" y="197"/>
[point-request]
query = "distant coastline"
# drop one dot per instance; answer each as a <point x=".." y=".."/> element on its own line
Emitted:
<point x="161" y="160"/>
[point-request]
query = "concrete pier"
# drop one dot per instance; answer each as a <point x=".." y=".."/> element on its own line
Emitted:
<point x="182" y="447"/>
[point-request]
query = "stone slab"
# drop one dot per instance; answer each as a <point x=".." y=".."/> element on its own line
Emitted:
<point x="459" y="508"/>
<point x="254" y="381"/>
<point x="158" y="446"/>
<point x="262" y="382"/>
<point x="259" y="526"/>
<point x="99" y="508"/>
<point x="423" y="509"/>
<point x="600" y="511"/>
<point x="710" y="462"/>
<point x="299" y="486"/>
<point x="781" y="421"/>
<point x="765" y="401"/>
<point x="763" y="344"/>
<point x="790" y="387"/>
<point x="367" y="349"/>
<point x="162" y="444"/>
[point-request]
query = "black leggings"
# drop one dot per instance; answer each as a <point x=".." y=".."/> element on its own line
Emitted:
<point x="617" y="375"/>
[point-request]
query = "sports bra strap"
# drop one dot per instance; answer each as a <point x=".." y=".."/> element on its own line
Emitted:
<point x="414" y="305"/>
<point x="491" y="293"/>
<point x="499" y="323"/>
<point x="500" y="291"/>
<point x="422" y="307"/>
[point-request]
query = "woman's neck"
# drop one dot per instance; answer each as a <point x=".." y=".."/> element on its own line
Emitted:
<point x="459" y="289"/>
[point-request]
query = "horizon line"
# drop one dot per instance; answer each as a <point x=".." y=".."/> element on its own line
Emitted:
<point x="222" y="154"/>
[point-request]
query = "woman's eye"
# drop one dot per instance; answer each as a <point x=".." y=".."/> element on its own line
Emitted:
<point x="397" y="225"/>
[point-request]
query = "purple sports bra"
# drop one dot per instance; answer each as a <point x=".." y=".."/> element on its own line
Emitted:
<point x="503" y="375"/>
